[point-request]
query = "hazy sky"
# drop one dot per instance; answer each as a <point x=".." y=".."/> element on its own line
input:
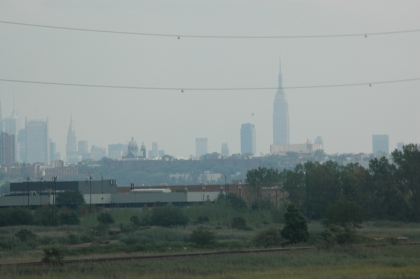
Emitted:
<point x="346" y="117"/>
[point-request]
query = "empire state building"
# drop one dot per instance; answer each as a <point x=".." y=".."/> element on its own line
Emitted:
<point x="280" y="115"/>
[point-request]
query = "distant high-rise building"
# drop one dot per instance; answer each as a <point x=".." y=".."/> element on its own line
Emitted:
<point x="97" y="153"/>
<point x="21" y="144"/>
<point x="248" y="143"/>
<point x="400" y="146"/>
<point x="143" y="150"/>
<point x="37" y="141"/>
<point x="319" y="141"/>
<point x="380" y="144"/>
<point x="225" y="149"/>
<point x="83" y="149"/>
<point x="10" y="127"/>
<point x="71" y="147"/>
<point x="280" y="115"/>
<point x="7" y="149"/>
<point x="154" y="153"/>
<point x="1" y="120"/>
<point x="200" y="146"/>
<point x="52" y="151"/>
<point x="161" y="153"/>
<point x="117" y="151"/>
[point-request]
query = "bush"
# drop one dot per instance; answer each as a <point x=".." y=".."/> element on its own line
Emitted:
<point x="15" y="216"/>
<point x="239" y="223"/>
<point x="69" y="218"/>
<point x="105" y="218"/>
<point x="202" y="219"/>
<point x="25" y="235"/>
<point x="269" y="237"/>
<point x="53" y="255"/>
<point x="202" y="237"/>
<point x="296" y="228"/>
<point x="168" y="216"/>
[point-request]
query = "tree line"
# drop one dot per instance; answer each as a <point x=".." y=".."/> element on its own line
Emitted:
<point x="387" y="189"/>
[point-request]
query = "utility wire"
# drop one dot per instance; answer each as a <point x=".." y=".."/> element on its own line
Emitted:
<point x="214" y="36"/>
<point x="182" y="89"/>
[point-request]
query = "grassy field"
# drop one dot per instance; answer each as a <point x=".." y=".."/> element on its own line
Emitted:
<point x="92" y="240"/>
<point x="348" y="262"/>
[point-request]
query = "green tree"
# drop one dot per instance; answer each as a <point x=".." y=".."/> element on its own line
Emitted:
<point x="345" y="214"/>
<point x="387" y="196"/>
<point x="260" y="183"/>
<point x="296" y="227"/>
<point x="44" y="216"/>
<point x="71" y="199"/>
<point x="407" y="162"/>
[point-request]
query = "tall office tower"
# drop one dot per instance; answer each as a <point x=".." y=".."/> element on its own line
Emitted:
<point x="248" y="144"/>
<point x="154" y="153"/>
<point x="400" y="146"/>
<point x="10" y="127"/>
<point x="37" y="141"/>
<point x="319" y="141"/>
<point x="53" y="150"/>
<point x="280" y="115"/>
<point x="97" y="153"/>
<point x="200" y="146"/>
<point x="83" y="148"/>
<point x="143" y="150"/>
<point x="380" y="144"/>
<point x="21" y="144"/>
<point x="115" y="151"/>
<point x="71" y="146"/>
<point x="225" y="149"/>
<point x="7" y="149"/>
<point x="1" y="120"/>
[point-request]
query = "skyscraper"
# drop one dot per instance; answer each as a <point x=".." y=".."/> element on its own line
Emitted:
<point x="248" y="143"/>
<point x="10" y="127"/>
<point x="37" y="141"/>
<point x="280" y="115"/>
<point x="200" y="146"/>
<point x="7" y="149"/>
<point x="71" y="146"/>
<point x="225" y="149"/>
<point x="380" y="144"/>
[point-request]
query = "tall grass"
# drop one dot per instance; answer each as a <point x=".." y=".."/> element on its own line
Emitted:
<point x="380" y="262"/>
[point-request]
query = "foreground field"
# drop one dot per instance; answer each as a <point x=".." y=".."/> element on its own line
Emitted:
<point x="343" y="262"/>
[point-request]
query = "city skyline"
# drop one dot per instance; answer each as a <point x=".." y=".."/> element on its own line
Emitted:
<point x="346" y="117"/>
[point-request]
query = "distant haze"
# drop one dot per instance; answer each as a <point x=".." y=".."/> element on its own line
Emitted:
<point x="346" y="117"/>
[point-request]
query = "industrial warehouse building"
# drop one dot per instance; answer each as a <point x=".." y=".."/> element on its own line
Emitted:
<point x="107" y="193"/>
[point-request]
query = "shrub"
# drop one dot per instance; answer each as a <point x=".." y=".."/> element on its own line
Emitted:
<point x="168" y="216"/>
<point x="268" y="238"/>
<point x="105" y="218"/>
<point x="69" y="218"/>
<point x="239" y="223"/>
<point x="25" y="235"/>
<point x="53" y="255"/>
<point x="202" y="237"/>
<point x="296" y="228"/>
<point x="202" y="219"/>
<point x="135" y="220"/>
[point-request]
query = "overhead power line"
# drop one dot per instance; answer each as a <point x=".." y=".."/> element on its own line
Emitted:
<point x="207" y="88"/>
<point x="215" y="36"/>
